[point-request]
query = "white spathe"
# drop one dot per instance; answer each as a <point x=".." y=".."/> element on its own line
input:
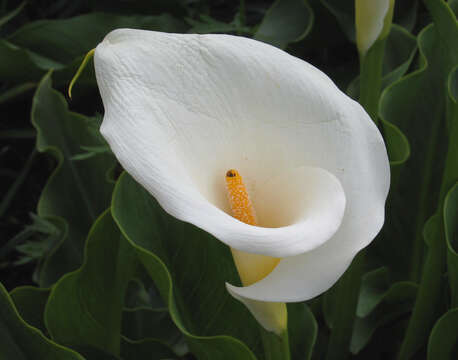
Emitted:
<point x="180" y="110"/>
<point x="370" y="18"/>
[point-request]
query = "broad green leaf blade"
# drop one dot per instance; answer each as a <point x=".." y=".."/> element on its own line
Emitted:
<point x="442" y="38"/>
<point x="85" y="307"/>
<point x="190" y="268"/>
<point x="91" y="353"/>
<point x="344" y="11"/>
<point x="142" y="293"/>
<point x="30" y="303"/>
<point x="20" y="341"/>
<point x="444" y="337"/>
<point x="303" y="331"/>
<point x="76" y="36"/>
<point x="380" y="304"/>
<point x="401" y="46"/>
<point x="398" y="148"/>
<point x="141" y="323"/>
<point x="385" y="314"/>
<point x="405" y="13"/>
<point x="8" y="197"/>
<point x="416" y="105"/>
<point x="286" y="21"/>
<point x="427" y="306"/>
<point x="145" y="349"/>
<point x="451" y="163"/>
<point x="208" y="25"/>
<point x="374" y="287"/>
<point x="76" y="191"/>
<point x="27" y="54"/>
<point x="17" y="65"/>
<point x="451" y="235"/>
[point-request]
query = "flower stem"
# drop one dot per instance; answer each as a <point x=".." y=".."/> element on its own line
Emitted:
<point x="371" y="65"/>
<point x="345" y="301"/>
<point x="276" y="347"/>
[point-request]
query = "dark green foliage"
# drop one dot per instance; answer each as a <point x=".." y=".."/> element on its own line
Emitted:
<point x="118" y="281"/>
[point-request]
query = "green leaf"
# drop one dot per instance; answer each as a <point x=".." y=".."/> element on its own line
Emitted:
<point x="206" y="25"/>
<point x="13" y="189"/>
<point x="385" y="314"/>
<point x="427" y="306"/>
<point x="85" y="307"/>
<point x="398" y="148"/>
<point x="145" y="349"/>
<point x="76" y="36"/>
<point x="20" y="341"/>
<point x="405" y="13"/>
<point x="400" y="48"/>
<point x="11" y="94"/>
<point x="140" y="6"/>
<point x="92" y="353"/>
<point x="342" y="304"/>
<point x="7" y="17"/>
<point x="189" y="268"/>
<point x="344" y="11"/>
<point x="443" y="341"/>
<point x="374" y="287"/>
<point x="30" y="303"/>
<point x="18" y="65"/>
<point x="416" y="105"/>
<point x="379" y="304"/>
<point x="441" y="37"/>
<point x="303" y="331"/>
<point x="451" y="162"/>
<point x="140" y="323"/>
<point x="43" y="45"/>
<point x="142" y="293"/>
<point x="287" y="21"/>
<point x="451" y="235"/>
<point x="76" y="191"/>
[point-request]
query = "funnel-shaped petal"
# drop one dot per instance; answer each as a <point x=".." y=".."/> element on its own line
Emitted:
<point x="180" y="110"/>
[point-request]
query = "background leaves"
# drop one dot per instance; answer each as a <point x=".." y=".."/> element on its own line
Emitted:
<point x="61" y="133"/>
<point x="15" y="333"/>
<point x="140" y="267"/>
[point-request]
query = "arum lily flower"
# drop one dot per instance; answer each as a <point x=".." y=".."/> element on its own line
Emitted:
<point x="373" y="20"/>
<point x="183" y="110"/>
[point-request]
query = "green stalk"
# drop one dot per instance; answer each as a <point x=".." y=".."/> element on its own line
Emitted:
<point x="371" y="66"/>
<point x="347" y="293"/>
<point x="425" y="311"/>
<point x="276" y="347"/>
<point x="345" y="302"/>
<point x="417" y="257"/>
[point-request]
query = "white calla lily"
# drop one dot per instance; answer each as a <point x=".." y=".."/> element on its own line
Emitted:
<point x="180" y="110"/>
<point x="372" y="20"/>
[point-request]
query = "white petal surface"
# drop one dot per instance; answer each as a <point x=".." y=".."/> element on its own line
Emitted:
<point x="180" y="110"/>
<point x="369" y="18"/>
